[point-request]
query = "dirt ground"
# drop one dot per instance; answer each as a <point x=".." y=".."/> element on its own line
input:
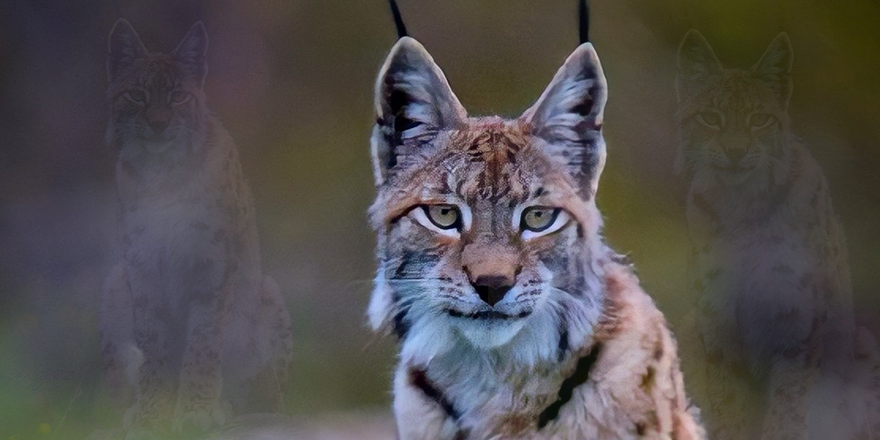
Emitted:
<point x="342" y="426"/>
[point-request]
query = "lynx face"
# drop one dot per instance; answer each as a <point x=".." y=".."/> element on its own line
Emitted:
<point x="486" y="226"/>
<point x="733" y="122"/>
<point x="157" y="105"/>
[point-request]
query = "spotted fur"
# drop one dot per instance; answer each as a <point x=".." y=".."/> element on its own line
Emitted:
<point x="188" y="319"/>
<point x="575" y="349"/>
<point x="769" y="261"/>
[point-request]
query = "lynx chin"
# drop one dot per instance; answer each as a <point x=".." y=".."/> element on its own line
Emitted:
<point x="515" y="319"/>
<point x="188" y="320"/>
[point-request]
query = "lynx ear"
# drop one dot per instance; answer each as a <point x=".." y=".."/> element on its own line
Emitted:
<point x="192" y="52"/>
<point x="696" y="62"/>
<point x="413" y="102"/>
<point x="569" y="114"/>
<point x="774" y="68"/>
<point x="124" y="47"/>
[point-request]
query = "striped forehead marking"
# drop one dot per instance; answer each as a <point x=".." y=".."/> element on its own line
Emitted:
<point x="490" y="156"/>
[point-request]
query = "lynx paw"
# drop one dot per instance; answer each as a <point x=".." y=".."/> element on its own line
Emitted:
<point x="201" y="417"/>
<point x="139" y="425"/>
<point x="130" y="416"/>
<point x="141" y="434"/>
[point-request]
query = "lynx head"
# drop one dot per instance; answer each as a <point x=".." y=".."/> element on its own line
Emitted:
<point x="733" y="122"/>
<point x="487" y="227"/>
<point x="157" y="101"/>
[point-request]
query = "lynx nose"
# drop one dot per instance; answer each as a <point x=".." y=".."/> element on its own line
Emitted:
<point x="159" y="126"/>
<point x="492" y="288"/>
<point x="734" y="155"/>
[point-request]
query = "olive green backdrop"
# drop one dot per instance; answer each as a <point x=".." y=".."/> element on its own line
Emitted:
<point x="292" y="81"/>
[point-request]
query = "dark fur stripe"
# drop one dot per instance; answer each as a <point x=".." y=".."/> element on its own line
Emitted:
<point x="580" y="376"/>
<point x="401" y="325"/>
<point x="419" y="379"/>
<point x="563" y="346"/>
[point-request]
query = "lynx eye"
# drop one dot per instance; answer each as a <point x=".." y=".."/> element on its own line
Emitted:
<point x="443" y="216"/>
<point x="758" y="121"/>
<point x="180" y="97"/>
<point x="136" y="96"/>
<point x="710" y="119"/>
<point x="538" y="219"/>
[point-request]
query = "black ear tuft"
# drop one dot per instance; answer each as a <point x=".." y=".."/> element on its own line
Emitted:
<point x="584" y="22"/>
<point x="398" y="20"/>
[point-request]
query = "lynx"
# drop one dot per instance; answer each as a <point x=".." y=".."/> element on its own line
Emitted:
<point x="769" y="261"/>
<point x="187" y="317"/>
<point x="515" y="319"/>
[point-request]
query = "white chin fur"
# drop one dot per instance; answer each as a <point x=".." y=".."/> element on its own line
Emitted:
<point x="525" y="341"/>
<point x="528" y="341"/>
<point x="488" y="333"/>
<point x="157" y="147"/>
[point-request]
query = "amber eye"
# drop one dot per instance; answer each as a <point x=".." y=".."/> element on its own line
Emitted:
<point x="136" y="96"/>
<point x="538" y="219"/>
<point x="180" y="97"/>
<point x="760" y="120"/>
<point x="443" y="216"/>
<point x="709" y="119"/>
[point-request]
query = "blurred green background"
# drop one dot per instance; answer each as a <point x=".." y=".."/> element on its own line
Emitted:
<point x="292" y="81"/>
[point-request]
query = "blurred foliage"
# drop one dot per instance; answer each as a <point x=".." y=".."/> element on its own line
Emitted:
<point x="292" y="81"/>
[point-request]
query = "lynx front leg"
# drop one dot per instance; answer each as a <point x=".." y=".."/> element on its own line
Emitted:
<point x="199" y="407"/>
<point x="730" y="390"/>
<point x="118" y="351"/>
<point x="267" y="391"/>
<point x="280" y="332"/>
<point x="419" y="417"/>
<point x="789" y="393"/>
<point x="868" y="371"/>
<point x="154" y="377"/>
<point x="732" y="403"/>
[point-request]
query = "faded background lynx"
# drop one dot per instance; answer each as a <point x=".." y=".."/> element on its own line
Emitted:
<point x="292" y="82"/>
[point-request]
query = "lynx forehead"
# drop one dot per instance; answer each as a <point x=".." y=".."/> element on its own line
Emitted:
<point x="482" y="158"/>
<point x="493" y="147"/>
<point x="486" y="163"/>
